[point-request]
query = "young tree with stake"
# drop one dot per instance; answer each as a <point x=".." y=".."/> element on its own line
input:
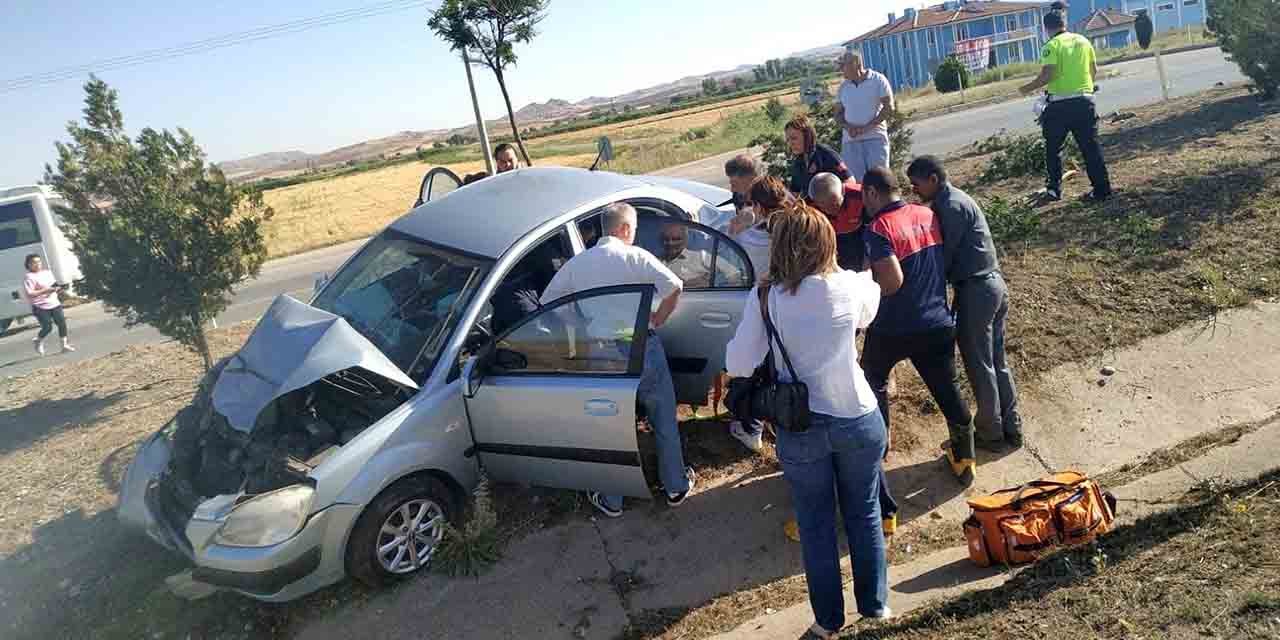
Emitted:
<point x="491" y="29"/>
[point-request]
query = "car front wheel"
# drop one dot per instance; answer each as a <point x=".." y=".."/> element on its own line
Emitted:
<point x="399" y="531"/>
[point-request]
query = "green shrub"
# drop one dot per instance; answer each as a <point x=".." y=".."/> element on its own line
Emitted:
<point x="1247" y="32"/>
<point x="1011" y="221"/>
<point x="998" y="141"/>
<point x="776" y="112"/>
<point x="1024" y="156"/>
<point x="697" y="133"/>
<point x="952" y="76"/>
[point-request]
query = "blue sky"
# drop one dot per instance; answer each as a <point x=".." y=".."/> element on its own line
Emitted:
<point x="341" y="84"/>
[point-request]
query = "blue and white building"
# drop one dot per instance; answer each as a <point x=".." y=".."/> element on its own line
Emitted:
<point x="908" y="49"/>
<point x="1166" y="15"/>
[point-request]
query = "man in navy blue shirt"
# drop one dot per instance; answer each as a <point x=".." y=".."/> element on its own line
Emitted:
<point x="904" y="246"/>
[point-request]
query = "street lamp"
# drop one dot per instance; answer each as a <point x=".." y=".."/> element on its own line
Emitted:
<point x="480" y="128"/>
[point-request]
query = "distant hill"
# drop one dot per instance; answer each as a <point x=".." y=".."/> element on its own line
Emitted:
<point x="286" y="162"/>
<point x="262" y="162"/>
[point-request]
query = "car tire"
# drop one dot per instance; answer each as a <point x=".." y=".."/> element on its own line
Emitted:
<point x="385" y="524"/>
<point x="4" y="324"/>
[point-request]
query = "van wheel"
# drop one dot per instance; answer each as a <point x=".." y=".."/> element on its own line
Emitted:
<point x="399" y="531"/>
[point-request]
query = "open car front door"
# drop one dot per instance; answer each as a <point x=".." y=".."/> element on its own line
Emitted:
<point x="438" y="183"/>
<point x="717" y="277"/>
<point x="552" y="401"/>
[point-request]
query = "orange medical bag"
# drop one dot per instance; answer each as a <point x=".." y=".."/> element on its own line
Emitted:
<point x="1018" y="525"/>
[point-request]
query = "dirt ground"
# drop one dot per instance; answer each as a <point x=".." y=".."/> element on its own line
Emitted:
<point x="1190" y="233"/>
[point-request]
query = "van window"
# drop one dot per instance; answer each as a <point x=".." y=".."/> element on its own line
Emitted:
<point x="18" y="225"/>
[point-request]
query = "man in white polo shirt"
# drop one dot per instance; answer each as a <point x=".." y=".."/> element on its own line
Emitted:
<point x="615" y="261"/>
<point x="864" y="105"/>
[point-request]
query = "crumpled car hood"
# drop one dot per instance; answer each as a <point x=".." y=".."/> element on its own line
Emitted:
<point x="293" y="346"/>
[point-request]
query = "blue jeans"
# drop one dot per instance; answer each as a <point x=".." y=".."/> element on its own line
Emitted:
<point x="862" y="155"/>
<point x="838" y="459"/>
<point x="657" y="394"/>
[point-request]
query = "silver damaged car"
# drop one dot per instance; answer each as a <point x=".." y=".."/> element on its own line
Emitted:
<point x="346" y="432"/>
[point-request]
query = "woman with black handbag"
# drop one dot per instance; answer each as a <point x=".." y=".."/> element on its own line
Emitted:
<point x="804" y="320"/>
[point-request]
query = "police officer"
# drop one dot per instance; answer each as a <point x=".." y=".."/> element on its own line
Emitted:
<point x="1068" y="74"/>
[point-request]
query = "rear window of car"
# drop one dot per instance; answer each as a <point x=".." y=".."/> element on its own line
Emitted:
<point x="18" y="225"/>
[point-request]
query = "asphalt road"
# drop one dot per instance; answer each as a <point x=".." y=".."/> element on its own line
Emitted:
<point x="96" y="332"/>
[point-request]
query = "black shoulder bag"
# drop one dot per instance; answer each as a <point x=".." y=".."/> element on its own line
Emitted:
<point x="762" y="396"/>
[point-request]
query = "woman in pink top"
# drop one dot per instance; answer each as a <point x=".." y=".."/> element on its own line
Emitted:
<point x="42" y="291"/>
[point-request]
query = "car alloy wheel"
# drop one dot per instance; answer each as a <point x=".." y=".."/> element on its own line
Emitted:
<point x="409" y="536"/>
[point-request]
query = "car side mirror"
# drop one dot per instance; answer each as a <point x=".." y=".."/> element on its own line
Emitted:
<point x="510" y="360"/>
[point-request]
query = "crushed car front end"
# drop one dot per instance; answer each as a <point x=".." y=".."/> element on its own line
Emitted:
<point x="230" y="484"/>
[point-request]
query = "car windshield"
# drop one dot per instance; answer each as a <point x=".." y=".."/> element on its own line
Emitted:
<point x="405" y="296"/>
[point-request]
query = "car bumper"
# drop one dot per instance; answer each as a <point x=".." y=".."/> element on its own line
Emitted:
<point x="311" y="559"/>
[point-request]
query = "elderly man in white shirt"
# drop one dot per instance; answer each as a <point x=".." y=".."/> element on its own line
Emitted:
<point x="615" y="261"/>
<point x="864" y="105"/>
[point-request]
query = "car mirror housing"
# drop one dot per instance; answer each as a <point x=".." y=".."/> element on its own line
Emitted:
<point x="510" y="360"/>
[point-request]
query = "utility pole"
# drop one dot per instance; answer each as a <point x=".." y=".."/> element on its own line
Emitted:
<point x="480" y="128"/>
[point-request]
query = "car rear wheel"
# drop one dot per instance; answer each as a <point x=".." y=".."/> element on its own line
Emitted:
<point x="4" y="324"/>
<point x="399" y="532"/>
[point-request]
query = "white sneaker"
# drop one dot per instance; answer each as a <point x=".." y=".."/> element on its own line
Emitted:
<point x="752" y="441"/>
<point x="597" y="501"/>
<point x="818" y="631"/>
<point x="67" y="348"/>
<point x="38" y="345"/>
<point x="883" y="614"/>
<point x="677" y="499"/>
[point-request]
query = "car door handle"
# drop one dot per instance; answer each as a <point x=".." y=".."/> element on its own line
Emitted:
<point x="715" y="320"/>
<point x="601" y="408"/>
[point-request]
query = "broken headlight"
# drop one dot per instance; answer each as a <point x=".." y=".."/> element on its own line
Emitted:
<point x="268" y="519"/>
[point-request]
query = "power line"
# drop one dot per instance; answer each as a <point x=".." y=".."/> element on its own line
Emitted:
<point x="210" y="44"/>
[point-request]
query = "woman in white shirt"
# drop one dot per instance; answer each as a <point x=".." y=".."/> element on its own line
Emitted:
<point x="817" y="308"/>
<point x="769" y="195"/>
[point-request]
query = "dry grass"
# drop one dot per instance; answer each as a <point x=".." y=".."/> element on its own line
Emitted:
<point x="328" y="212"/>
<point x="1190" y="232"/>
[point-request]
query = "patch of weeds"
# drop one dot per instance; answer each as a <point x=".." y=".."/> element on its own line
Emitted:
<point x="476" y="546"/>
<point x="563" y="503"/>
<point x="697" y="133"/>
<point x="1218" y="291"/>
<point x="1134" y="233"/>
<point x="1257" y="602"/>
<point x="1193" y="612"/>
<point x="1024" y="155"/>
<point x="998" y="141"/>
<point x="1011" y="221"/>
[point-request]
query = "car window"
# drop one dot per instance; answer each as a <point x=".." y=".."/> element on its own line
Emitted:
<point x="590" y="229"/>
<point x="404" y="296"/>
<point x="18" y="225"/>
<point x="701" y="258"/>
<point x="518" y="294"/>
<point x="589" y="334"/>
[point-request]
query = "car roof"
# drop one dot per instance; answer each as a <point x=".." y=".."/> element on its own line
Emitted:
<point x="486" y="217"/>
